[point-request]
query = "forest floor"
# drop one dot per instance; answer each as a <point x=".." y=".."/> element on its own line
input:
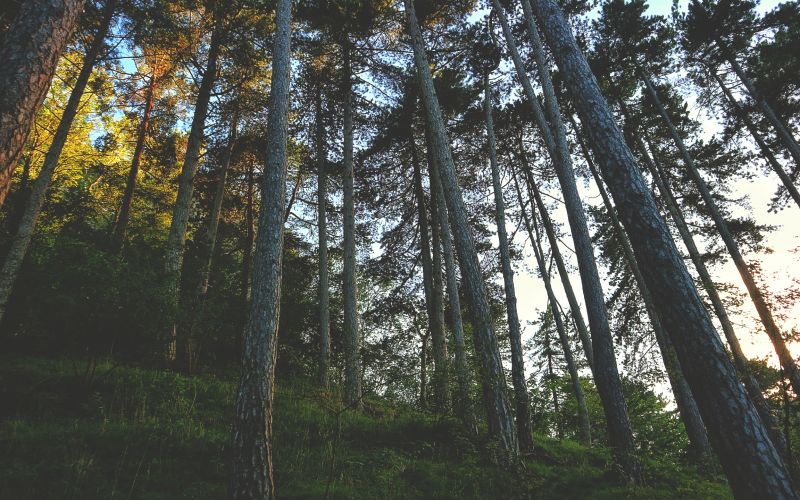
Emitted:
<point x="127" y="433"/>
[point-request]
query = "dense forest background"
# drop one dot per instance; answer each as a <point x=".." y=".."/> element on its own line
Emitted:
<point x="515" y="247"/>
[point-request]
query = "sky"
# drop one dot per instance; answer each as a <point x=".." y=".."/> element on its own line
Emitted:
<point x="780" y="265"/>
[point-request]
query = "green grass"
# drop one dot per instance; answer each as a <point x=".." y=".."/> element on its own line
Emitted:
<point x="135" y="433"/>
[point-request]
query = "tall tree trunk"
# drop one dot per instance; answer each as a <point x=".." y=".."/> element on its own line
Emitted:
<point x="585" y="432"/>
<point x="123" y="215"/>
<point x="521" y="397"/>
<point x="606" y="374"/>
<point x="687" y="407"/>
<point x="575" y="308"/>
<point x="501" y="421"/>
<point x="440" y="356"/>
<point x="350" y="291"/>
<point x="551" y="375"/>
<point x="251" y="467"/>
<point x="463" y="402"/>
<point x="322" y="229"/>
<point x="432" y="306"/>
<point x="762" y="145"/>
<point x="781" y="129"/>
<point x="250" y="233"/>
<point x="547" y="137"/>
<point x="179" y="346"/>
<point x="423" y="369"/>
<point x="739" y="359"/>
<point x="29" y="55"/>
<point x="753" y="465"/>
<point x="764" y="312"/>
<point x="21" y="240"/>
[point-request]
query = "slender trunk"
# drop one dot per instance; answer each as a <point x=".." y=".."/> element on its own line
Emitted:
<point x="216" y="211"/>
<point x="351" y="333"/>
<point x="463" y="402"/>
<point x="687" y="407"/>
<point x="21" y="240"/>
<point x="575" y="308"/>
<point x="781" y="129"/>
<point x="179" y="346"/>
<point x="521" y="397"/>
<point x="251" y="468"/>
<point x="123" y="215"/>
<point x="606" y="374"/>
<point x="250" y="233"/>
<point x="585" y="432"/>
<point x="322" y="230"/>
<point x="762" y="145"/>
<point x="739" y="359"/>
<point x="760" y="303"/>
<point x="501" y="421"/>
<point x="423" y="370"/>
<point x="433" y="307"/>
<point x="29" y="55"/>
<point x="547" y="136"/>
<point x="440" y="356"/>
<point x="753" y="465"/>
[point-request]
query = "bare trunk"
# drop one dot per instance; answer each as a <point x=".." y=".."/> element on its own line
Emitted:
<point x="764" y="312"/>
<point x="351" y="333"/>
<point x="250" y="233"/>
<point x="687" y="407"/>
<point x="29" y="55"/>
<point x="22" y="238"/>
<point x="251" y="467"/>
<point x="781" y="129"/>
<point x="753" y="465"/>
<point x="178" y="346"/>
<point x="440" y="356"/>
<point x="521" y="397"/>
<point x="463" y="403"/>
<point x="762" y="145"/>
<point x="585" y="432"/>
<point x="606" y="374"/>
<point x="322" y="230"/>
<point x="423" y="370"/>
<point x="501" y="421"/>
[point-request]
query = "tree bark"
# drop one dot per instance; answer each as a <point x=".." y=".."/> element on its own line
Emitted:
<point x="751" y="462"/>
<point x="687" y="407"/>
<point x="781" y="129"/>
<point x="22" y="238"/>
<point x="323" y="293"/>
<point x="251" y="467"/>
<point x="521" y="397"/>
<point x="350" y="291"/>
<point x="585" y="432"/>
<point x="178" y="346"/>
<point x="29" y="55"/>
<point x="463" y="401"/>
<point x="250" y="233"/>
<point x="123" y="215"/>
<point x="764" y="312"/>
<point x="501" y="421"/>
<point x="606" y="374"/>
<point x="762" y="145"/>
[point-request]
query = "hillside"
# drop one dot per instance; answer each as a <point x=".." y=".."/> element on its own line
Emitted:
<point x="134" y="433"/>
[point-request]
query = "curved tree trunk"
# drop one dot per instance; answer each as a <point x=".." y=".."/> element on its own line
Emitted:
<point x="179" y="346"/>
<point x="251" y="466"/>
<point x="322" y="230"/>
<point x="350" y="291"/>
<point x="22" y="238"/>
<point x="751" y="462"/>
<point x="123" y="215"/>
<point x="463" y="403"/>
<point x="521" y="397"/>
<point x="585" y="432"/>
<point x="764" y="312"/>
<point x="29" y="55"/>
<point x="762" y="145"/>
<point x="606" y="374"/>
<point x="501" y="421"/>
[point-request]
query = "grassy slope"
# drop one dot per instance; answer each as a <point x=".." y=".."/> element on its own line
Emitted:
<point x="157" y="435"/>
